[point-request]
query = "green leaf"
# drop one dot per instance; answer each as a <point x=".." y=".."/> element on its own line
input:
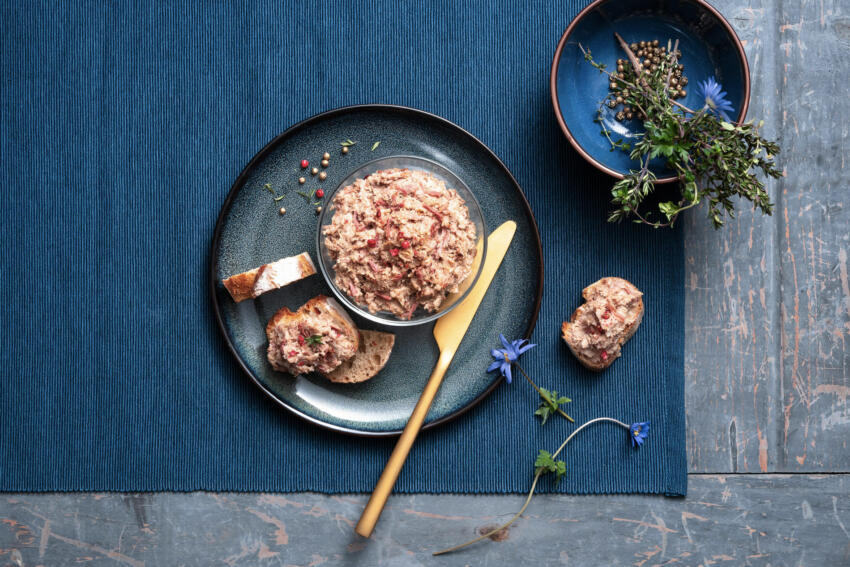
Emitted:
<point x="544" y="412"/>
<point x="279" y="198"/>
<point x="314" y="340"/>
<point x="545" y="464"/>
<point x="550" y="402"/>
<point x="268" y="188"/>
<point x="560" y="470"/>
<point x="375" y="146"/>
<point x="726" y="125"/>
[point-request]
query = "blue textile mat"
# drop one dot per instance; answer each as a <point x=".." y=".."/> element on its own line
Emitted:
<point x="123" y="126"/>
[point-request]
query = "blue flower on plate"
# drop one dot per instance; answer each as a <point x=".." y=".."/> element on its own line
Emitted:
<point x="715" y="98"/>
<point x="638" y="432"/>
<point x="505" y="357"/>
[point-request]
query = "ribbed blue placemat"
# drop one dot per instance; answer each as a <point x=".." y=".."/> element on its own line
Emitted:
<point x="123" y="126"/>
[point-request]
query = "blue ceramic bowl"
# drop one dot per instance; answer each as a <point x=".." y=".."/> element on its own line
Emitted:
<point x="708" y="44"/>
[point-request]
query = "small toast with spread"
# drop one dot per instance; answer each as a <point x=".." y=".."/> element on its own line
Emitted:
<point x="597" y="330"/>
<point x="318" y="337"/>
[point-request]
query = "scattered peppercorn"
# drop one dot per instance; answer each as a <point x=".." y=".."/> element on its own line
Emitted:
<point x="320" y="193"/>
<point x="325" y="162"/>
<point x="345" y="149"/>
<point x="394" y="251"/>
<point x="318" y="210"/>
<point x="301" y="180"/>
<point x="282" y="211"/>
<point x="304" y="164"/>
<point x="326" y="156"/>
<point x="405" y="244"/>
<point x="372" y="242"/>
<point x="323" y="176"/>
<point x="314" y="171"/>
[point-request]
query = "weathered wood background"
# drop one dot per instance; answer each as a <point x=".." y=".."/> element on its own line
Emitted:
<point x="768" y="319"/>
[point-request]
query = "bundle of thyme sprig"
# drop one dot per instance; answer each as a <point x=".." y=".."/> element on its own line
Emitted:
<point x="714" y="159"/>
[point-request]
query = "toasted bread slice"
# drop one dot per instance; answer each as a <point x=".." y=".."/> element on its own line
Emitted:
<point x="372" y="355"/>
<point x="241" y="286"/>
<point x="598" y="329"/>
<point x="267" y="277"/>
<point x="319" y="336"/>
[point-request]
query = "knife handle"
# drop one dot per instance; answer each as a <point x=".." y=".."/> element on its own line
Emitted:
<point x="385" y="483"/>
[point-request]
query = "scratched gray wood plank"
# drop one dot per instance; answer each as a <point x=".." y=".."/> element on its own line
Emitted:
<point x="768" y="299"/>
<point x="731" y="283"/>
<point x="813" y="423"/>
<point x="726" y="520"/>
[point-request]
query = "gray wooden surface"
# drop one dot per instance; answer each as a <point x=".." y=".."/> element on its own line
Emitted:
<point x="767" y="374"/>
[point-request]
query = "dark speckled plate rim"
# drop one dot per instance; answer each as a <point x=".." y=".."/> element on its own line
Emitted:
<point x="553" y="82"/>
<point x="240" y="182"/>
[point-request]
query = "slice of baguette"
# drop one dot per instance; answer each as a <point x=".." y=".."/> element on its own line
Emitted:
<point x="372" y="355"/>
<point x="268" y="277"/>
<point x="320" y="306"/>
<point x="278" y="274"/>
<point x="598" y="296"/>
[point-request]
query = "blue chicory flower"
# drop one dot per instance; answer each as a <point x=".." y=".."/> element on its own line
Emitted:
<point x="638" y="432"/>
<point x="715" y="98"/>
<point x="505" y="357"/>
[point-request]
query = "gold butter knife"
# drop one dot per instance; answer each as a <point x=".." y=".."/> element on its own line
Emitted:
<point x="448" y="332"/>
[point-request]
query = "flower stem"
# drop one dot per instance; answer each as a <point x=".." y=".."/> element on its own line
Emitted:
<point x="500" y="528"/>
<point x="530" y="381"/>
<point x="533" y="484"/>
<point x="583" y="425"/>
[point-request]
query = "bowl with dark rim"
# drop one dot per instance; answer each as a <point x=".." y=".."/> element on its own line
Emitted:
<point x="709" y="47"/>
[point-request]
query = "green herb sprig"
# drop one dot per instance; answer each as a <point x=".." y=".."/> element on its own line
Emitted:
<point x="714" y="160"/>
<point x="310" y="197"/>
<point x="546" y="464"/>
<point x="314" y="340"/>
<point x="550" y="405"/>
<point x="550" y="402"/>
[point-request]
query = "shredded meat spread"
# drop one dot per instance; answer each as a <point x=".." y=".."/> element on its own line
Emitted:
<point x="401" y="240"/>
<point x="612" y="306"/>
<point x="311" y="343"/>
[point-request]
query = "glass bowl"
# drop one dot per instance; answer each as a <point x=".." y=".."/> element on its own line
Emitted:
<point x="452" y="181"/>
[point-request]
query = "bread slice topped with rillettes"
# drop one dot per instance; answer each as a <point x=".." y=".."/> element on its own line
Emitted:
<point x="372" y="355"/>
<point x="597" y="330"/>
<point x="318" y="337"/>
<point x="268" y="277"/>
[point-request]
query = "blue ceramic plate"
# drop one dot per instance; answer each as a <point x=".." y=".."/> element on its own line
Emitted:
<point x="708" y="44"/>
<point x="251" y="232"/>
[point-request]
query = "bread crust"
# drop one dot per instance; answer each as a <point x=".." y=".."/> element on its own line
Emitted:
<point x="241" y="286"/>
<point x="589" y="294"/>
